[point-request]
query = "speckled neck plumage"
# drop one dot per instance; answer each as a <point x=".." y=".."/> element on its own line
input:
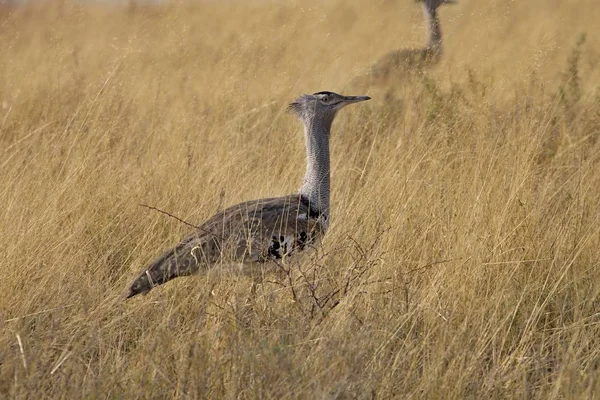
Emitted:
<point x="316" y="185"/>
<point x="433" y="24"/>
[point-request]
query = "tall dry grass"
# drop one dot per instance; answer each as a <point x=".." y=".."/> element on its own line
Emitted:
<point x="462" y="259"/>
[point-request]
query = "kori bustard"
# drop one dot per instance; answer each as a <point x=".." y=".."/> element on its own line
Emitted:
<point x="401" y="61"/>
<point x="257" y="231"/>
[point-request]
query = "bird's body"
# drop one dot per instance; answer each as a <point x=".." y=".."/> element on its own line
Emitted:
<point x="255" y="231"/>
<point x="262" y="230"/>
<point x="402" y="61"/>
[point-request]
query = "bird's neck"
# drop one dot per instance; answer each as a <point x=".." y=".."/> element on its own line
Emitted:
<point x="316" y="183"/>
<point x="433" y="25"/>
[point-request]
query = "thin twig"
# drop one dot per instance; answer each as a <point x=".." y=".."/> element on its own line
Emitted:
<point x="516" y="261"/>
<point x="431" y="264"/>
<point x="170" y="215"/>
<point x="200" y="228"/>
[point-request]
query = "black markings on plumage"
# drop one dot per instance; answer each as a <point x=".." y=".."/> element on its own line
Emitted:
<point x="275" y="248"/>
<point x="301" y="240"/>
<point x="284" y="243"/>
<point x="279" y="247"/>
<point x="324" y="92"/>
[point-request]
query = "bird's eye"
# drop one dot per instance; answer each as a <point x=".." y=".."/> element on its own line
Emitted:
<point x="325" y="99"/>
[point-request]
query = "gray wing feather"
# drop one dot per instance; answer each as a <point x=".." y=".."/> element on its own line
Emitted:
<point x="403" y="60"/>
<point x="254" y="231"/>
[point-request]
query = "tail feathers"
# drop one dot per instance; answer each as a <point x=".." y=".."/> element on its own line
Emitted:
<point x="174" y="263"/>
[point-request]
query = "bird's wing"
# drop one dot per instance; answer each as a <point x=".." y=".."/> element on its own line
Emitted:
<point x="254" y="231"/>
<point x="399" y="60"/>
<point x="278" y="228"/>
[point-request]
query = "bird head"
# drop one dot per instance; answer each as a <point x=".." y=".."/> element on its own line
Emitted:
<point x="322" y="105"/>
<point x="433" y="4"/>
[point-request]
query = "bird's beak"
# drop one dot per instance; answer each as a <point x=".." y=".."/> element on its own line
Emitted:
<point x="355" y="99"/>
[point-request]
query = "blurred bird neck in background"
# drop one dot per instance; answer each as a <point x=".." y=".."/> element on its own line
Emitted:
<point x="433" y="25"/>
<point x="316" y="183"/>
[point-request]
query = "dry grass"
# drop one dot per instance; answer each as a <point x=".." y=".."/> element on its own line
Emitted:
<point x="462" y="261"/>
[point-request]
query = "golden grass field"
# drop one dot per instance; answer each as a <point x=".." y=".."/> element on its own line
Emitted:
<point x="462" y="259"/>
